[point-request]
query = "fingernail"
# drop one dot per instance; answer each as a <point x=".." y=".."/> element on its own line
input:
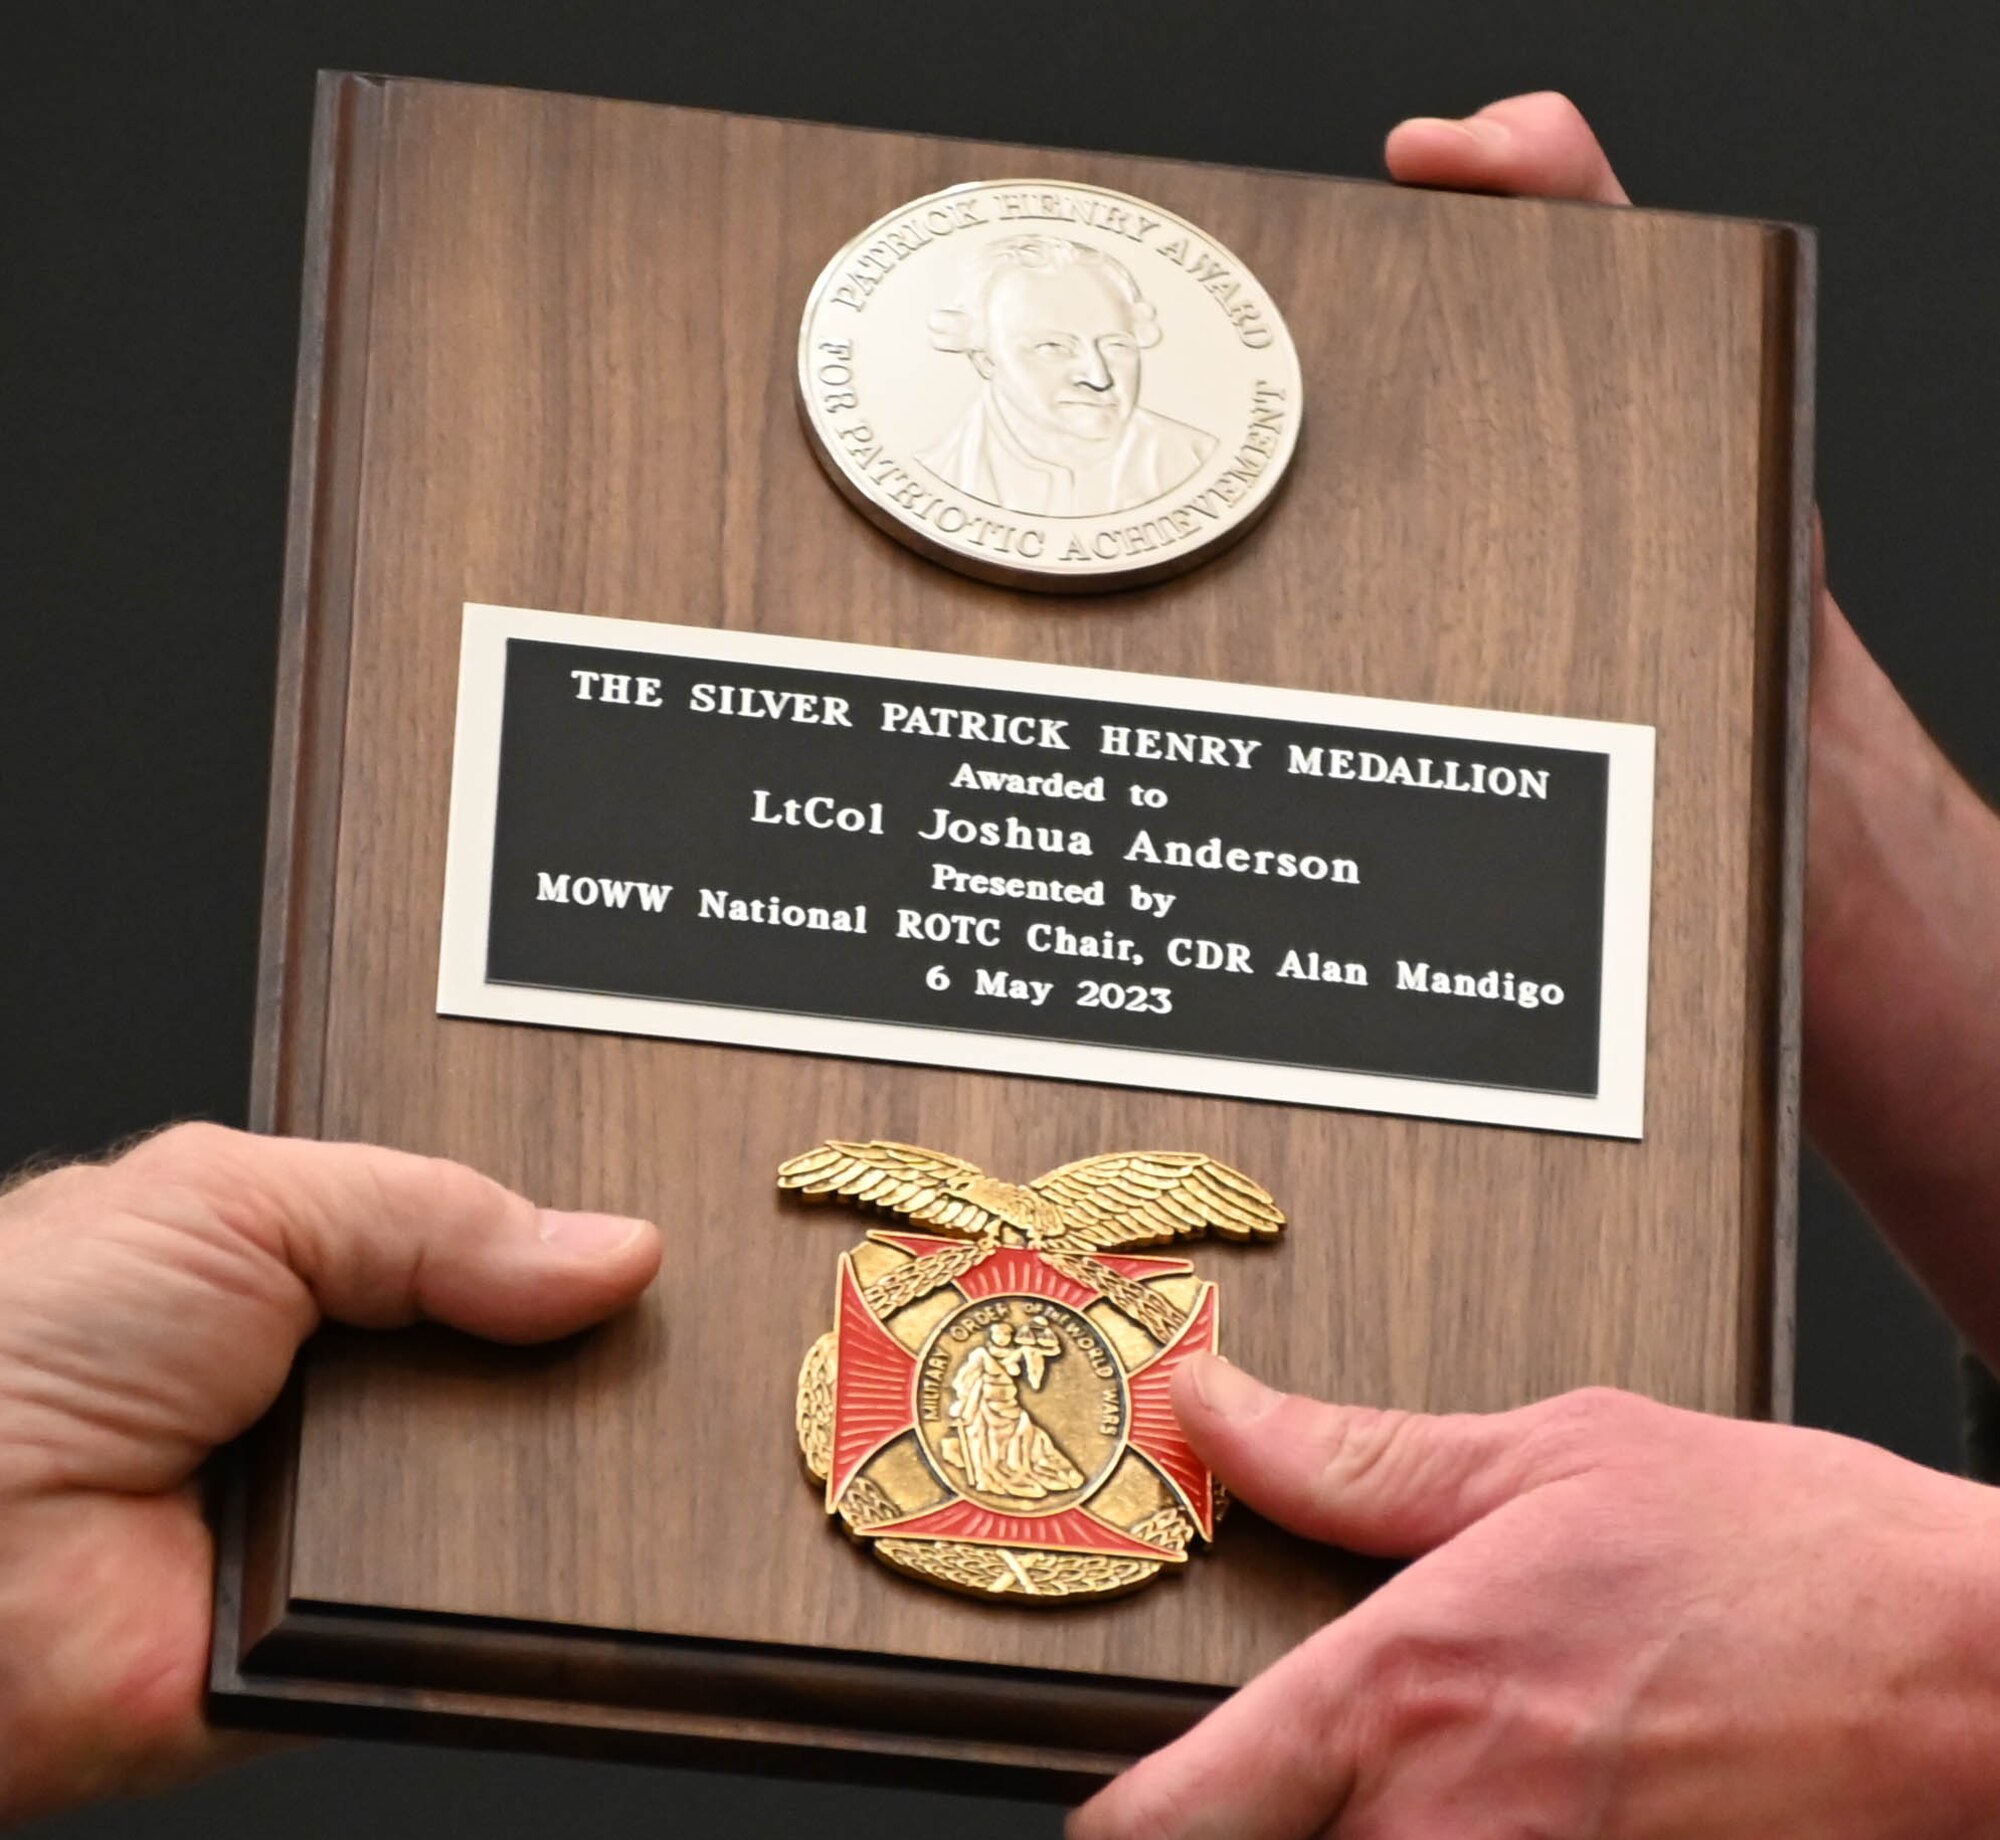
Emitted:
<point x="589" y="1236"/>
<point x="1229" y="1392"/>
<point x="1483" y="131"/>
<point x="1480" y="130"/>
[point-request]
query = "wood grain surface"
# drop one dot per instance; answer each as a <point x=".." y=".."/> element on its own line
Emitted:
<point x="1553" y="461"/>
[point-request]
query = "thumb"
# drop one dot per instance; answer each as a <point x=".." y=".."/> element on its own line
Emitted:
<point x="150" y="1308"/>
<point x="1394" y="1484"/>
<point x="380" y="1238"/>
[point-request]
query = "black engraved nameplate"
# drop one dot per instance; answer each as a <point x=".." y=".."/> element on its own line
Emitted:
<point x="1028" y="868"/>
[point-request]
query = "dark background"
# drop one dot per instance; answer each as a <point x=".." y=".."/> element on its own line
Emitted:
<point x="151" y="211"/>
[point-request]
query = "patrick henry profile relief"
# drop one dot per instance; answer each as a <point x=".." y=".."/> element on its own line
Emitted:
<point x="1055" y="328"/>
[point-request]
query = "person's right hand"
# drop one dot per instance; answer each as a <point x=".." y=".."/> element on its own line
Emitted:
<point x="1901" y="1038"/>
<point x="1621" y="1619"/>
<point x="149" y="1311"/>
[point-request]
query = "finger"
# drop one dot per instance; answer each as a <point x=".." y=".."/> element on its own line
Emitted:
<point x="1275" y="1762"/>
<point x="380" y="1238"/>
<point x="155" y="1304"/>
<point x="1389" y="1483"/>
<point x="1538" y="146"/>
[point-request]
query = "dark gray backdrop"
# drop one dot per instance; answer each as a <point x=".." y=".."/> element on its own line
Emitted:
<point x="151" y="209"/>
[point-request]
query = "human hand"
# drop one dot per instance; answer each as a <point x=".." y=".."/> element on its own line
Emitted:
<point x="1538" y="145"/>
<point x="1627" y="1621"/>
<point x="149" y="1311"/>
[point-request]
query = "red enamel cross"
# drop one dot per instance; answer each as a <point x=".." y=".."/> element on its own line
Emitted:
<point x="875" y="1403"/>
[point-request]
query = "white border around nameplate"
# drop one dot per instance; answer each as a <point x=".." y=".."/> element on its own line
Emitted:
<point x="1617" y="1110"/>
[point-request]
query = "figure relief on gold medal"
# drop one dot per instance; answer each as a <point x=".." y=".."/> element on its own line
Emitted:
<point x="991" y="1410"/>
<point x="995" y="1441"/>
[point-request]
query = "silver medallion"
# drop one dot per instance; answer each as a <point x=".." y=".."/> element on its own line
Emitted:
<point x="1049" y="385"/>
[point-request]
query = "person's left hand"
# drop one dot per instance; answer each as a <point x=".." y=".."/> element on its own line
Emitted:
<point x="1628" y="1621"/>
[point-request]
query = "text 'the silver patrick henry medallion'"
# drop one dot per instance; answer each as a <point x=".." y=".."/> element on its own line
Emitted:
<point x="1047" y="385"/>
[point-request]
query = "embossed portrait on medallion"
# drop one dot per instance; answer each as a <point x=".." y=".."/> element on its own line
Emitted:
<point x="1048" y="384"/>
<point x="1056" y="329"/>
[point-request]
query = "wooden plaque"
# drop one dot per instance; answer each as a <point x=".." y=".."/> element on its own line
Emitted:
<point x="1555" y="459"/>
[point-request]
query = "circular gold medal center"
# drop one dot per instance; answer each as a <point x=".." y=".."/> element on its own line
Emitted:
<point x="1021" y="1405"/>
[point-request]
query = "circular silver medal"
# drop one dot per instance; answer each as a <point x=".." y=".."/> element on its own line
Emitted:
<point x="1049" y="385"/>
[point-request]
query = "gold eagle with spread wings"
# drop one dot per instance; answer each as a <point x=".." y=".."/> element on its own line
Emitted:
<point x="1128" y="1198"/>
